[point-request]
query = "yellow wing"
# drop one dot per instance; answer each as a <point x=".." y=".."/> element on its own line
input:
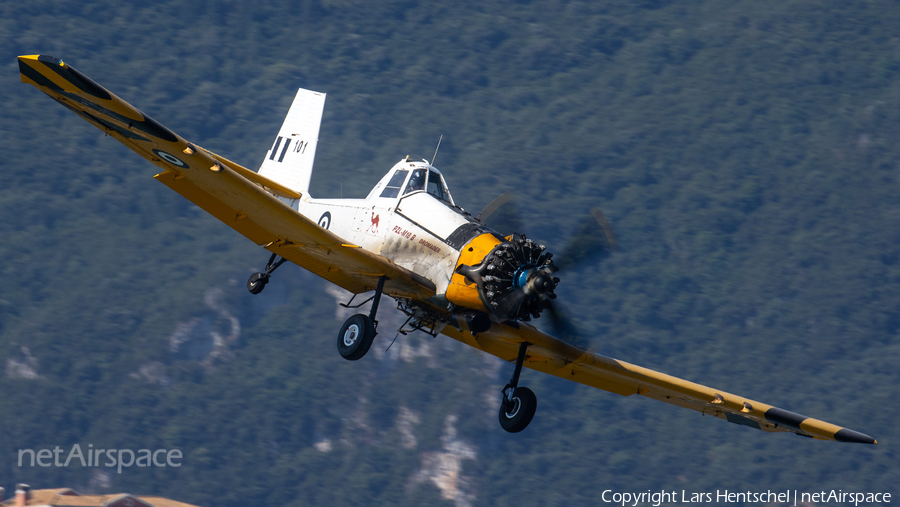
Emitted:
<point x="237" y="196"/>
<point x="551" y="355"/>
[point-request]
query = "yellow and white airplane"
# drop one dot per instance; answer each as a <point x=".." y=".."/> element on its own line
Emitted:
<point x="407" y="239"/>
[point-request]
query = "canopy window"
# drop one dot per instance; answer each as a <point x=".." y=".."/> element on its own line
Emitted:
<point x="392" y="189"/>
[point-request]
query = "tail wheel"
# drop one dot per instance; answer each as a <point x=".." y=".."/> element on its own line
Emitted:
<point x="257" y="282"/>
<point x="516" y="413"/>
<point x="355" y="337"/>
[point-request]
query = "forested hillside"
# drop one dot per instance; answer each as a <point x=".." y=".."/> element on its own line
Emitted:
<point x="745" y="152"/>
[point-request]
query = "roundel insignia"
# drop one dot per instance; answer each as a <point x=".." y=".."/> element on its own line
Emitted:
<point x="168" y="157"/>
<point x="325" y="220"/>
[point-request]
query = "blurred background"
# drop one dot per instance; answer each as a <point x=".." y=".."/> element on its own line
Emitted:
<point x="745" y="152"/>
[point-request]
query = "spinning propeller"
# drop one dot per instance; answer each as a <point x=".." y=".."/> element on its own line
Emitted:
<point x="587" y="244"/>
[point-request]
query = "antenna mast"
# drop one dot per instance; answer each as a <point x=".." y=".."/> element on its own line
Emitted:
<point x="436" y="149"/>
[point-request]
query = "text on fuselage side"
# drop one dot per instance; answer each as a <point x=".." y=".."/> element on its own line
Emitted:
<point x="412" y="237"/>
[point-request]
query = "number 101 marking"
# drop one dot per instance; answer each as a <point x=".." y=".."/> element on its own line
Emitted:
<point x="301" y="147"/>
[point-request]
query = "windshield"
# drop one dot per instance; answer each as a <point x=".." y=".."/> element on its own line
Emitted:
<point x="416" y="181"/>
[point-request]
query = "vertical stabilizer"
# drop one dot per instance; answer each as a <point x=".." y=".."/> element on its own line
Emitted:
<point x="290" y="159"/>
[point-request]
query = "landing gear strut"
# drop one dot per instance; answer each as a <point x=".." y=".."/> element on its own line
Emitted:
<point x="519" y="403"/>
<point x="357" y="333"/>
<point x="258" y="281"/>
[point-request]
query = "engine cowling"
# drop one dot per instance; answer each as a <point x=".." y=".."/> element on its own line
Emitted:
<point x="512" y="280"/>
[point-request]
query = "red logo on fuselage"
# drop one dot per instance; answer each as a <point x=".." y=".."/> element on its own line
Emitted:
<point x="375" y="220"/>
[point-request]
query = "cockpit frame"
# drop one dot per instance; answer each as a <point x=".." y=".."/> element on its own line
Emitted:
<point x="415" y="178"/>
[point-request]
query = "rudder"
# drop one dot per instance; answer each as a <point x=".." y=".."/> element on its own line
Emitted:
<point x="290" y="160"/>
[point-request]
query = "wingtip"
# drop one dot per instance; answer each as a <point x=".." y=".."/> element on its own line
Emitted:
<point x="846" y="435"/>
<point x="27" y="62"/>
<point x="43" y="58"/>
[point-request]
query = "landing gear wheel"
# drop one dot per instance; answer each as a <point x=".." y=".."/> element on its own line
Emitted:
<point x="515" y="414"/>
<point x="355" y="337"/>
<point x="257" y="282"/>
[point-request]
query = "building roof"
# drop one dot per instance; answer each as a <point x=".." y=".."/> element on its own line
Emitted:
<point x="67" y="497"/>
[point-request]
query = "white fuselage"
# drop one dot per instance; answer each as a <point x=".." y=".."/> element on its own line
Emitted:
<point x="413" y="227"/>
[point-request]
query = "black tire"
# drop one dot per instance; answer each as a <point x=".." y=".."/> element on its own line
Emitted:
<point x="516" y="414"/>
<point x="355" y="337"/>
<point x="257" y="283"/>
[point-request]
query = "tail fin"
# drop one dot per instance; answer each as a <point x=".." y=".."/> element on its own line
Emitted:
<point x="290" y="160"/>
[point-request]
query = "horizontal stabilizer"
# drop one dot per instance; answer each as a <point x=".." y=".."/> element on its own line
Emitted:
<point x="290" y="160"/>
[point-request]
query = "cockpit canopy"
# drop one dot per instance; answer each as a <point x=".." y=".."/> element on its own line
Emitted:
<point x="409" y="177"/>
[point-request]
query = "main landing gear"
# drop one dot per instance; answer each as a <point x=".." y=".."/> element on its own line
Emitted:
<point x="258" y="281"/>
<point x="519" y="403"/>
<point x="357" y="333"/>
